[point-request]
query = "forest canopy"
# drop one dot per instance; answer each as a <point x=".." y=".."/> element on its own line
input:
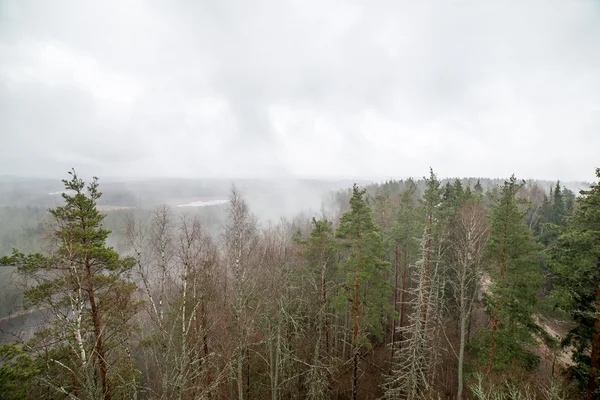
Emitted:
<point x="409" y="289"/>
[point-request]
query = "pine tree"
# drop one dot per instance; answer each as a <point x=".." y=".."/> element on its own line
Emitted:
<point x="405" y="236"/>
<point x="413" y="364"/>
<point x="515" y="279"/>
<point x="321" y="254"/>
<point x="365" y="271"/>
<point x="432" y="199"/>
<point x="82" y="283"/>
<point x="576" y="261"/>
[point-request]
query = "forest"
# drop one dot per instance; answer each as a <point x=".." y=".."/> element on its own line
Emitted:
<point x="405" y="289"/>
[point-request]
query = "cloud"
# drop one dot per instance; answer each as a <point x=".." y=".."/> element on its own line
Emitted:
<point x="308" y="88"/>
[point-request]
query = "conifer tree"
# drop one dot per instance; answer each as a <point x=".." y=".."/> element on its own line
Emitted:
<point x="413" y="363"/>
<point x="432" y="199"/>
<point x="365" y="271"/>
<point x="558" y="206"/>
<point x="478" y="189"/>
<point x="321" y="255"/>
<point x="515" y="279"/>
<point x="576" y="261"/>
<point x="82" y="283"/>
<point x="405" y="234"/>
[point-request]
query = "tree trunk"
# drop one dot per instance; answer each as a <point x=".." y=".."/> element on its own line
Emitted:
<point x="97" y="331"/>
<point x="461" y="357"/>
<point x="240" y="371"/>
<point x="355" y="339"/>
<point x="75" y="390"/>
<point x="247" y="374"/>
<point x="204" y="327"/>
<point x="497" y="306"/>
<point x="402" y="300"/>
<point x="324" y="307"/>
<point x="427" y="268"/>
<point x="393" y="337"/>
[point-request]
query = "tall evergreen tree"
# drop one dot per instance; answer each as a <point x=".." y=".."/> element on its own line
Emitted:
<point x="321" y="254"/>
<point x="558" y="206"/>
<point x="515" y="278"/>
<point x="365" y="270"/>
<point x="82" y="284"/>
<point x="576" y="261"/>
<point x="478" y="189"/>
<point x="432" y="199"/>
<point x="405" y="236"/>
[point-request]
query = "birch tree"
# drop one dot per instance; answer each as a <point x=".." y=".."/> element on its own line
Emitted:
<point x="175" y="264"/>
<point x="240" y="245"/>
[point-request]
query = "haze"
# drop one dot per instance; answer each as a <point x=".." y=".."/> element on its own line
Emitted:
<point x="321" y="89"/>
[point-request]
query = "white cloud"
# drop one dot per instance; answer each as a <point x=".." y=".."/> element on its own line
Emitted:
<point x="310" y="88"/>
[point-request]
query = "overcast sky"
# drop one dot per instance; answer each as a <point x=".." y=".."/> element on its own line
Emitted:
<point x="323" y="88"/>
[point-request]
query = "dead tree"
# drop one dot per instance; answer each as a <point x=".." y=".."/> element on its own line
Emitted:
<point x="414" y="361"/>
<point x="464" y="252"/>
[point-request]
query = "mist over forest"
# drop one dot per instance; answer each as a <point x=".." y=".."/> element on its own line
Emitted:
<point x="400" y="280"/>
<point x="285" y="199"/>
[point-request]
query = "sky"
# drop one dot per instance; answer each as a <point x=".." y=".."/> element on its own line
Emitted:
<point x="302" y="88"/>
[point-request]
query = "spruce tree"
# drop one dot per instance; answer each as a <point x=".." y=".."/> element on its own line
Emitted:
<point x="365" y="271"/>
<point x="576" y="261"/>
<point x="558" y="206"/>
<point x="478" y="189"/>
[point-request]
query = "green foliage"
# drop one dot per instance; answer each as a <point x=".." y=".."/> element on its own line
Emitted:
<point x="321" y="246"/>
<point x="362" y="261"/>
<point x="513" y="259"/>
<point x="513" y="347"/>
<point x="555" y="211"/>
<point x="82" y="283"/>
<point x="576" y="263"/>
<point x="17" y="371"/>
<point x="408" y="227"/>
<point x="432" y="197"/>
<point x="478" y="189"/>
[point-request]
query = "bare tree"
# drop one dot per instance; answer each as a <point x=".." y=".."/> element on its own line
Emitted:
<point x="240" y="242"/>
<point x="468" y="236"/>
<point x="414" y="361"/>
<point x="175" y="265"/>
